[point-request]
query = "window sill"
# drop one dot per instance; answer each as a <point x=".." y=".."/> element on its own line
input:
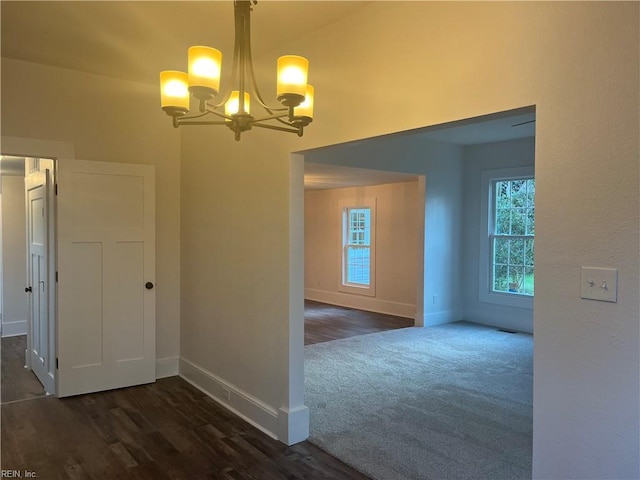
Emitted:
<point x="368" y="291"/>
<point x="508" y="299"/>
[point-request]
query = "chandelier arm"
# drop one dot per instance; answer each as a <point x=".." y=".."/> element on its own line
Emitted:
<point x="243" y="15"/>
<point x="257" y="90"/>
<point x="252" y="74"/>
<point x="234" y="68"/>
<point x="275" y="116"/>
<point x="209" y="111"/>
<point x="201" y="122"/>
<point x="215" y="106"/>
<point x="275" y="127"/>
<point x="190" y="117"/>
<point x="219" y="114"/>
<point x="290" y="115"/>
<point x="286" y="122"/>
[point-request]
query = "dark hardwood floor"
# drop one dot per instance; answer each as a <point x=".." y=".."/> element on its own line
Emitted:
<point x="323" y="322"/>
<point x="165" y="430"/>
<point x="17" y="383"/>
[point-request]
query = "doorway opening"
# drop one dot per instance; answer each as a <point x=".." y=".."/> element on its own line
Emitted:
<point x="28" y="277"/>
<point x="453" y="159"/>
<point x="363" y="250"/>
<point x="90" y="274"/>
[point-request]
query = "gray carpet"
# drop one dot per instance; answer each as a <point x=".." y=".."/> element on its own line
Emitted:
<point x="446" y="402"/>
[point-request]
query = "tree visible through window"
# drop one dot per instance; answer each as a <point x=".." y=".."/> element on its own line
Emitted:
<point x="357" y="248"/>
<point x="512" y="236"/>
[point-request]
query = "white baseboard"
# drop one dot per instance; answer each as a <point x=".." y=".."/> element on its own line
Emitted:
<point x="293" y="425"/>
<point x="439" y="318"/>
<point x="370" y="304"/>
<point x="514" y="322"/>
<point x="243" y="404"/>
<point x="167" y="367"/>
<point x="13" y="329"/>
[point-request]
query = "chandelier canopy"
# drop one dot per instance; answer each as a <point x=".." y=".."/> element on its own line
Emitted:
<point x="233" y="106"/>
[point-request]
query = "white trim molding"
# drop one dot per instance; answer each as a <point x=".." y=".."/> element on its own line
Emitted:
<point x="35" y="147"/>
<point x="13" y="329"/>
<point x="293" y="425"/>
<point x="438" y="318"/>
<point x="360" y="302"/>
<point x="293" y="415"/>
<point x="485" y="293"/>
<point x="167" y="367"/>
<point x="239" y="402"/>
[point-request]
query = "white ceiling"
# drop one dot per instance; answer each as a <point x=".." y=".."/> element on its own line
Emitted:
<point x="319" y="177"/>
<point x="488" y="129"/>
<point x="497" y="127"/>
<point x="135" y="40"/>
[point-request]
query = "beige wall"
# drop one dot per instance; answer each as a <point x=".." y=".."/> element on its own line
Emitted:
<point x="235" y="269"/>
<point x="396" y="253"/>
<point x="108" y="120"/>
<point x="423" y="63"/>
<point x="15" y="310"/>
<point x="396" y="66"/>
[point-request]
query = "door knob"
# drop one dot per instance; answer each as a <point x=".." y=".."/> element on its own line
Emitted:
<point x="148" y="285"/>
<point x="28" y="290"/>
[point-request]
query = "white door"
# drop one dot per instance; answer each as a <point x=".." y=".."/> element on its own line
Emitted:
<point x="106" y="276"/>
<point x="40" y="347"/>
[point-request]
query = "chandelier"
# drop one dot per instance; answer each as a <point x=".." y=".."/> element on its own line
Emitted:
<point x="233" y="107"/>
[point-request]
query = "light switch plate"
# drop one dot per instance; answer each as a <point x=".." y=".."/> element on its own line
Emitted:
<point x="599" y="284"/>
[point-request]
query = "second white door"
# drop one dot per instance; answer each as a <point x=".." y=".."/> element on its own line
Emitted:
<point x="41" y="347"/>
<point x="106" y="266"/>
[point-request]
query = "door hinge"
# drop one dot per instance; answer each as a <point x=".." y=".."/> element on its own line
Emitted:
<point x="56" y="363"/>
<point x="56" y="188"/>
<point x="56" y="277"/>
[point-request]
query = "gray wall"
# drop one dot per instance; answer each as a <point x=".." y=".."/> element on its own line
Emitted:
<point x="14" y="257"/>
<point x="479" y="158"/>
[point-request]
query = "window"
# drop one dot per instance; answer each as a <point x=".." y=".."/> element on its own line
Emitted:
<point x="507" y="237"/>
<point x="357" y="254"/>
<point x="512" y="239"/>
<point x="358" y="258"/>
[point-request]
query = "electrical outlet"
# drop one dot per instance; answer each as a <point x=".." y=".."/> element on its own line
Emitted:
<point x="599" y="284"/>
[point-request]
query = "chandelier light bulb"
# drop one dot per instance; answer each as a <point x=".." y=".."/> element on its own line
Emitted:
<point x="292" y="79"/>
<point x="205" y="67"/>
<point x="174" y="88"/>
<point x="292" y="76"/>
<point x="305" y="109"/>
<point x="204" y="71"/>
<point x="233" y="104"/>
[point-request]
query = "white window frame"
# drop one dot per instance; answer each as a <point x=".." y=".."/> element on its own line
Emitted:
<point x="343" y="285"/>
<point x="486" y="293"/>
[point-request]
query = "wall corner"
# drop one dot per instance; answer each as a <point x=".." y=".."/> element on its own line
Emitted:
<point x="293" y="425"/>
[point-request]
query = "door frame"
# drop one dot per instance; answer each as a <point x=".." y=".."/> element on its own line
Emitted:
<point x="45" y="168"/>
<point x="46" y="149"/>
